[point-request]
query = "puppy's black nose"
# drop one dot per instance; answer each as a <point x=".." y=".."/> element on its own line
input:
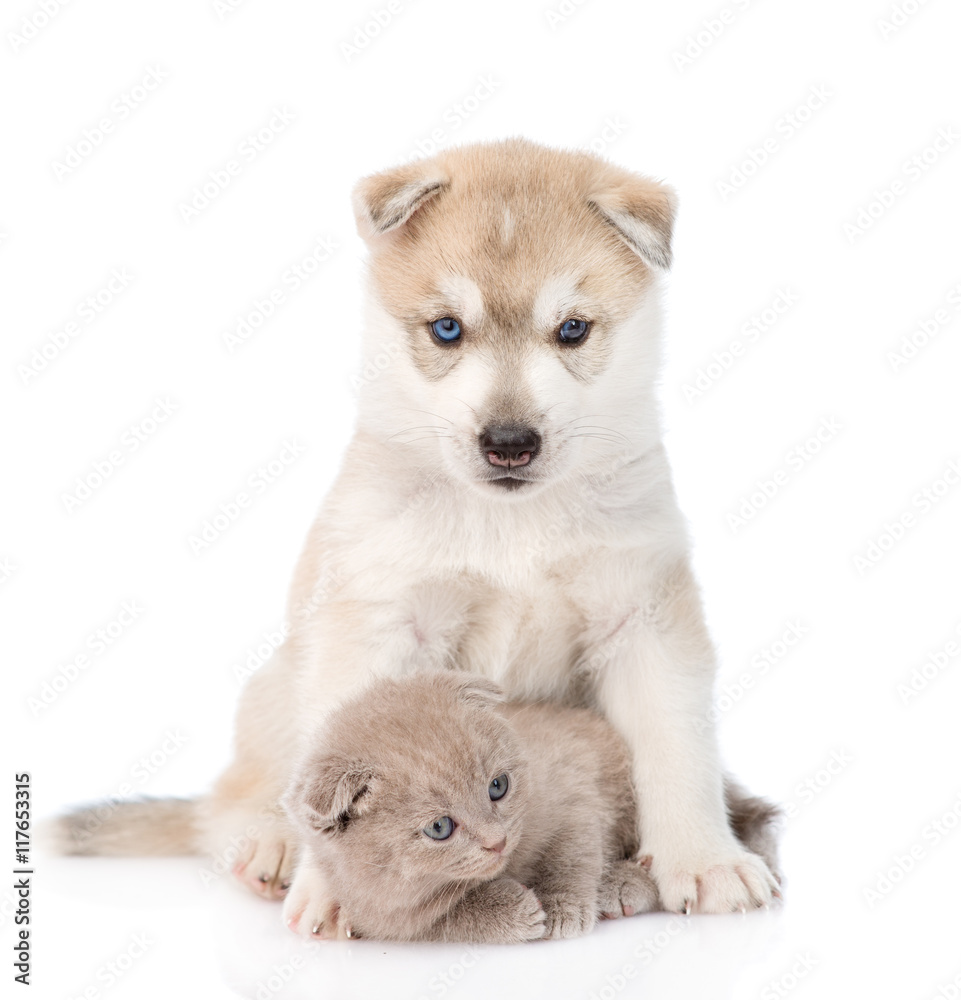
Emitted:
<point x="509" y="445"/>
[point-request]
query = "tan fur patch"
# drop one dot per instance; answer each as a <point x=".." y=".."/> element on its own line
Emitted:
<point x="544" y="226"/>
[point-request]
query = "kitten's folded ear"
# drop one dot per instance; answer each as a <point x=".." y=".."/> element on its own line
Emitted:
<point x="477" y="690"/>
<point x="328" y="793"/>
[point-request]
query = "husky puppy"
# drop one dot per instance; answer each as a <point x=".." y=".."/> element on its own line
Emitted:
<point x="505" y="506"/>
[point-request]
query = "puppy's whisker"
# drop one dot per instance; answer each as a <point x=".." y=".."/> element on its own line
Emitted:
<point x="465" y="403"/>
<point x="439" y="431"/>
<point x="430" y="413"/>
<point x="424" y="437"/>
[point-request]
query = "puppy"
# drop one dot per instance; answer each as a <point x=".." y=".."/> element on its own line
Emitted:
<point x="505" y="506"/>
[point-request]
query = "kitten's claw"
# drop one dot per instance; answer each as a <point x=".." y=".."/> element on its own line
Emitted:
<point x="567" y="916"/>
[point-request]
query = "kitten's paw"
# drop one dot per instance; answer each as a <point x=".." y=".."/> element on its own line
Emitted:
<point x="627" y="889"/>
<point x="568" y="916"/>
<point x="267" y="866"/>
<point x="309" y="909"/>
<point x="525" y="916"/>
<point x="501" y="911"/>
<point x="729" y="882"/>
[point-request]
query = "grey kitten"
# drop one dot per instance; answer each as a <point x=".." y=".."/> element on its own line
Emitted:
<point x="437" y="812"/>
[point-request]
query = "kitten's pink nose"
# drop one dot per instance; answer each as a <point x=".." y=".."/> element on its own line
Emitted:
<point x="497" y="848"/>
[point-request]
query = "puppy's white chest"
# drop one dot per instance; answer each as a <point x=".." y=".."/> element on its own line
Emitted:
<point x="523" y="637"/>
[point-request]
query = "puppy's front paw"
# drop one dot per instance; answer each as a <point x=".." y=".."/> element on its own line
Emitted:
<point x="729" y="882"/>
<point x="627" y="888"/>
<point x="311" y="911"/>
<point x="568" y="916"/>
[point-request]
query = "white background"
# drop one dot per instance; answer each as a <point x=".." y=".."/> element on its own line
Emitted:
<point x="606" y="74"/>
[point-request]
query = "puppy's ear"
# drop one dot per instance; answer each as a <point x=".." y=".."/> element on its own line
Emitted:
<point x="385" y="201"/>
<point x="642" y="211"/>
<point x="328" y="793"/>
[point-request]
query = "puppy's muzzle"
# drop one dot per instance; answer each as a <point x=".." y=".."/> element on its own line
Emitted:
<point x="509" y="446"/>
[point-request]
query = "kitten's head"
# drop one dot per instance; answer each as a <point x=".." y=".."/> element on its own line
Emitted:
<point x="415" y="786"/>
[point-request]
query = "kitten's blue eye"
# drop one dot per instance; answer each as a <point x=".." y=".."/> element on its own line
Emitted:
<point x="446" y="329"/>
<point x="497" y="789"/>
<point x="441" y="828"/>
<point x="573" y="331"/>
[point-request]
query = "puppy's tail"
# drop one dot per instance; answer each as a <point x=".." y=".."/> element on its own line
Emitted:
<point x="754" y="821"/>
<point x="137" y="828"/>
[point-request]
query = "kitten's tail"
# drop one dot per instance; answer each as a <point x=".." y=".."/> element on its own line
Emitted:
<point x="127" y="829"/>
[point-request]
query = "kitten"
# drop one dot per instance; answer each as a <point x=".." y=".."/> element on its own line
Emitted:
<point x="438" y="812"/>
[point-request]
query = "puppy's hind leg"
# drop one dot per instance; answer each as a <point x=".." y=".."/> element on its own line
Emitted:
<point x="242" y="822"/>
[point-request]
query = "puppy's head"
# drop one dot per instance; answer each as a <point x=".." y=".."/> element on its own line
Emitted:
<point x="515" y="310"/>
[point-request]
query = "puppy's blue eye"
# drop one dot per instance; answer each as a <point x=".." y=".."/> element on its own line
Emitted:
<point x="446" y="329"/>
<point x="441" y="828"/>
<point x="497" y="789"/>
<point x="573" y="331"/>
